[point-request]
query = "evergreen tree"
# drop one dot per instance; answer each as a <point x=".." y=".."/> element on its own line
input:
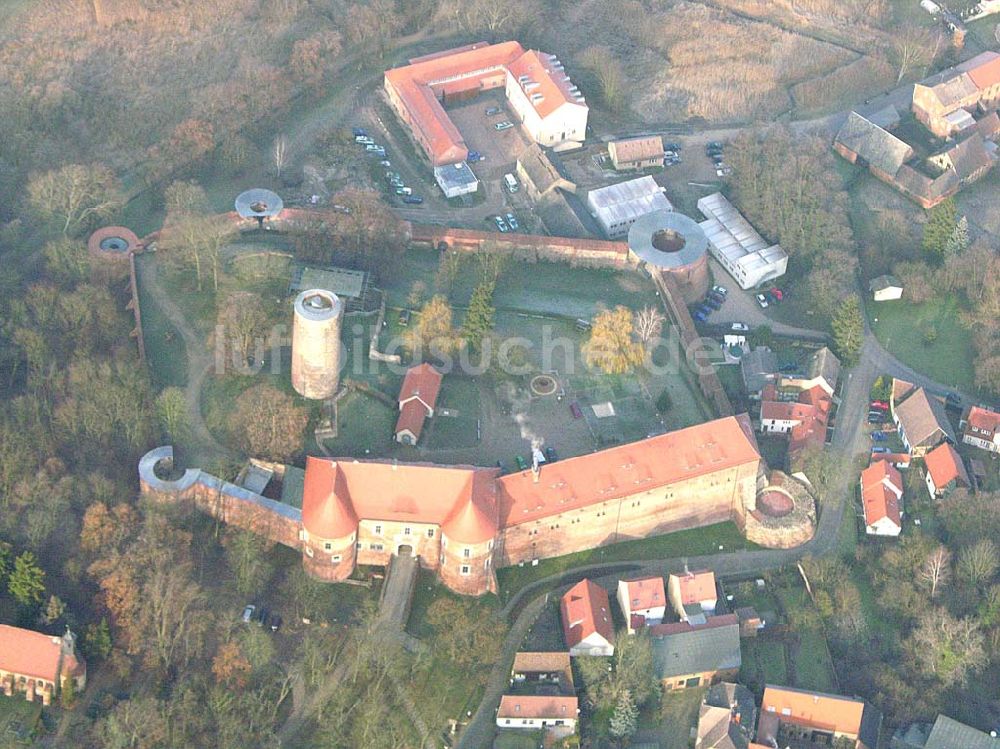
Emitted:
<point x="27" y="580"/>
<point x="958" y="242"/>
<point x="625" y="719"/>
<point x="942" y="221"/>
<point x="480" y="317"/>
<point x="97" y="643"/>
<point x="848" y="330"/>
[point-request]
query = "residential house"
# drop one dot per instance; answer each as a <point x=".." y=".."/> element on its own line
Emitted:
<point x="882" y="499"/>
<point x="586" y="620"/>
<point x="885" y="288"/>
<point x="899" y="460"/>
<point x="920" y="418"/>
<point x="686" y="655"/>
<point x="726" y="718"/>
<point x="948" y="733"/>
<point x="39" y="665"/>
<point x="417" y="401"/>
<point x="556" y="714"/>
<point x="543" y="672"/>
<point x="802" y="415"/>
<point x="945" y="471"/>
<point x="693" y="595"/>
<point x="970" y="159"/>
<point x="616" y="207"/>
<point x="643" y="602"/>
<point x="822" y="370"/>
<point x="790" y="715"/>
<point x="944" y="101"/>
<point x="636" y="153"/>
<point x="759" y="367"/>
<point x="867" y="144"/>
<point x="981" y="428"/>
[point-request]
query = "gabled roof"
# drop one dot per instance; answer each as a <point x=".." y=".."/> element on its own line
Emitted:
<point x="988" y="125"/>
<point x="645" y="593"/>
<point x="544" y="82"/>
<point x="411" y="419"/>
<point x="532" y="706"/>
<point x="338" y="492"/>
<point x="546" y="663"/>
<point x="422" y="382"/>
<point x="884" y="282"/>
<point x="758" y="367"/>
<point x="945" y="465"/>
<point x="983" y="419"/>
<point x="697" y="649"/>
<point x="909" y="180"/>
<point x="825" y="364"/>
<point x="696" y="587"/>
<point x="983" y="69"/>
<point x="924" y="419"/>
<point x="826" y="712"/>
<point x="636" y="149"/>
<point x="950" y="734"/>
<point x="969" y="156"/>
<point x="586" y="610"/>
<point x="881" y="489"/>
<point x="877" y="146"/>
<point x="620" y="471"/>
<point x="726" y="717"/>
<point x="29" y="653"/>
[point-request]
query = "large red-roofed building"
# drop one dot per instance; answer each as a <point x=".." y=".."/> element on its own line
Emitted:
<point x="38" y="665"/>
<point x="586" y="619"/>
<point x="544" y="100"/>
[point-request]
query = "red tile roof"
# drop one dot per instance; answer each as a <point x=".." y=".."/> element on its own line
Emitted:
<point x="878" y="499"/>
<point x="418" y="398"/>
<point x="585" y="610"/>
<point x="532" y="706"/>
<point x="645" y="593"/>
<point x="636" y="149"/>
<point x="673" y="628"/>
<point x="696" y="587"/>
<point x="28" y="653"/>
<point x="622" y="471"/>
<point x="983" y="419"/>
<point x="553" y="85"/>
<point x="826" y="712"/>
<point x="983" y="69"/>
<point x="338" y="492"/>
<point x="945" y="465"/>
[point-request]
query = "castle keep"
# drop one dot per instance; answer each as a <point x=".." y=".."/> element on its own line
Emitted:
<point x="463" y="521"/>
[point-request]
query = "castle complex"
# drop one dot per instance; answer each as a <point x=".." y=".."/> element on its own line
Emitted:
<point x="463" y="521"/>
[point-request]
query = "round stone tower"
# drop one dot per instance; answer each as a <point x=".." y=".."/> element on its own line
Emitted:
<point x="316" y="344"/>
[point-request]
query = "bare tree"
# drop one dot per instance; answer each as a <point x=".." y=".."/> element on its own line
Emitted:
<point x="648" y="324"/>
<point x="607" y="70"/>
<point x="946" y="648"/>
<point x="75" y="195"/>
<point x="280" y="153"/>
<point x="935" y="572"/>
<point x="978" y="563"/>
<point x="914" y="47"/>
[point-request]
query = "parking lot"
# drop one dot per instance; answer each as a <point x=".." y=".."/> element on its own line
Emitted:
<point x="499" y="149"/>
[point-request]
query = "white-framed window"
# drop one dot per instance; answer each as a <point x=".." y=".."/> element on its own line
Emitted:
<point x="327" y="546"/>
<point x="335" y="558"/>
<point x="430" y="533"/>
<point x="406" y="531"/>
<point x="377" y="547"/>
<point x="466" y="552"/>
<point x="486" y="564"/>
<point x="465" y="570"/>
<point x="378" y="530"/>
<point x="309" y="551"/>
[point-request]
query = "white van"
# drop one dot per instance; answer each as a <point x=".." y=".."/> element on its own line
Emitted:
<point x="510" y="182"/>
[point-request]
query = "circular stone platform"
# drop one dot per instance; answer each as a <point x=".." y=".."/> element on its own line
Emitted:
<point x="544" y="385"/>
<point x="784" y="515"/>
<point x="667" y="240"/>
<point x="775" y="503"/>
<point x="113" y="243"/>
<point x="259" y="203"/>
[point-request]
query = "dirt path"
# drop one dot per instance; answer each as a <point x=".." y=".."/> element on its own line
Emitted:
<point x="199" y="363"/>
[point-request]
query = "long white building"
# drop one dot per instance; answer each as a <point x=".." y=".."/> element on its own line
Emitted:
<point x="546" y="102"/>
<point x="744" y="253"/>
<point x="617" y="207"/>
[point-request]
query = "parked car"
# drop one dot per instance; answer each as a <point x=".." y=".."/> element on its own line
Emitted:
<point x="501" y="224"/>
<point x="248" y="611"/>
<point x="379" y="152"/>
<point x="510" y="182"/>
<point x="720" y="290"/>
<point x="491" y="111"/>
<point x="551" y="455"/>
<point x="372" y="147"/>
<point x="876" y="419"/>
<point x="261" y="616"/>
<point x="878" y="437"/>
<point x="404" y="317"/>
<point x="522" y="464"/>
<point x="473" y="157"/>
<point x="359" y="132"/>
<point x="722" y="170"/>
<point x="953" y="399"/>
<point x="761" y="300"/>
<point x="699" y="316"/>
<point x="705" y="310"/>
<point x="274" y="622"/>
<point x="878" y="406"/>
<point x="363" y="140"/>
<point x="505" y="125"/>
<point x="385" y="162"/>
<point x="676" y="147"/>
<point x="413" y="199"/>
<point x="717" y="159"/>
<point x="512" y="222"/>
<point x="574" y="408"/>
<point x="717" y="297"/>
<point x="739" y="327"/>
<point x="711" y="301"/>
<point x="777" y="293"/>
<point x="880" y="450"/>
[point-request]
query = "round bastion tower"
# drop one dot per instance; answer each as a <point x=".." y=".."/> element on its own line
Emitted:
<point x="329" y="525"/>
<point x="467" y="539"/>
<point x="316" y="344"/>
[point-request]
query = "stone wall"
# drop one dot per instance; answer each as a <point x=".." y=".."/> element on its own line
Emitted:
<point x="704" y="500"/>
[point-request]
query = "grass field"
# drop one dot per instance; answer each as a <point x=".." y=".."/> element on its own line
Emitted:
<point x="693" y="542"/>
<point x="678" y="713"/>
<point x="763" y="662"/>
<point x="900" y="327"/>
<point x="511" y="739"/>
<point x="364" y="427"/>
<point x="18" y="719"/>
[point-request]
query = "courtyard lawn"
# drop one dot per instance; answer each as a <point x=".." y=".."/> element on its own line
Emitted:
<point x="901" y="326"/>
<point x="18" y="720"/>
<point x="812" y="667"/>
<point x="364" y="427"/>
<point x="763" y="662"/>
<point x="686" y="543"/>
<point x="678" y="714"/>
<point x="513" y="739"/>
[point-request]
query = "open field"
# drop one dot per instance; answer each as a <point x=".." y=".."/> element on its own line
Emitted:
<point x="902" y="326"/>
<point x="693" y="542"/>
